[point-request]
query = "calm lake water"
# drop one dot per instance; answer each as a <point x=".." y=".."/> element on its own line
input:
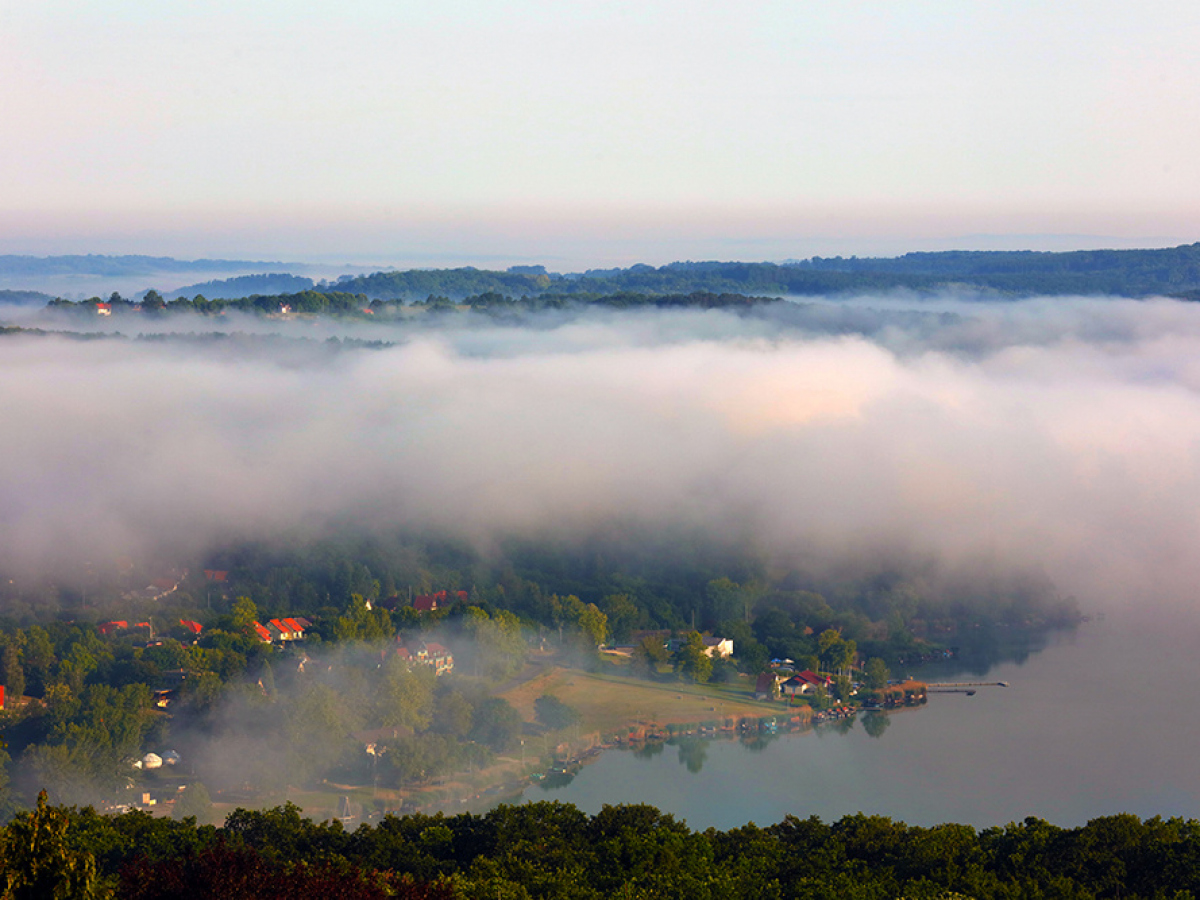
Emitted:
<point x="1105" y="719"/>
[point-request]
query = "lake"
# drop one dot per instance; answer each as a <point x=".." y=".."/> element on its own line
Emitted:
<point x="1104" y="720"/>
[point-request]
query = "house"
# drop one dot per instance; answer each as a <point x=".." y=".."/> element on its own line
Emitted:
<point x="218" y="575"/>
<point x="264" y="634"/>
<point x="806" y="682"/>
<point x="193" y="627"/>
<point x="766" y="686"/>
<point x="286" y="630"/>
<point x="1" y="697"/>
<point x="718" y="647"/>
<point x="104" y="309"/>
<point x="439" y="657"/>
<point x="108" y="628"/>
<point x="430" y="602"/>
<point x="428" y="653"/>
<point x="713" y="646"/>
<point x="426" y="602"/>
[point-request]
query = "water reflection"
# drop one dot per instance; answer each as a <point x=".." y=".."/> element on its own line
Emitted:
<point x="840" y="726"/>
<point x="875" y="724"/>
<point x="693" y="751"/>
<point x="649" y="750"/>
<point x="757" y="742"/>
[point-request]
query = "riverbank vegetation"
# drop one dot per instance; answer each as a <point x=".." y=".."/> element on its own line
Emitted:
<point x="101" y="671"/>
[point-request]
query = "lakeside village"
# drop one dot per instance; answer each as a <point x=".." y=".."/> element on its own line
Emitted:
<point x="591" y="710"/>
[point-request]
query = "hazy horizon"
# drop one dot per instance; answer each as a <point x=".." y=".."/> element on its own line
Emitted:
<point x="594" y="133"/>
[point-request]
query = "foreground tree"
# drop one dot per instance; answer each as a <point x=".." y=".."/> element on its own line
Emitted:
<point x="38" y="862"/>
<point x="241" y="873"/>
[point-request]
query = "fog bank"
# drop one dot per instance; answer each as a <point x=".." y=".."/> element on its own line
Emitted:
<point x="1053" y="433"/>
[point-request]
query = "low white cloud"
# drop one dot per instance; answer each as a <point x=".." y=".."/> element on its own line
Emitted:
<point x="1063" y="434"/>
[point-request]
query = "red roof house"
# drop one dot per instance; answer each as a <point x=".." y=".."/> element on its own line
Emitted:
<point x="806" y="682"/>
<point x="430" y="602"/>
<point x="286" y="629"/>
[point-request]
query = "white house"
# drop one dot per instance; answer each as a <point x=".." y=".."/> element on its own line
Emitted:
<point x="718" y="647"/>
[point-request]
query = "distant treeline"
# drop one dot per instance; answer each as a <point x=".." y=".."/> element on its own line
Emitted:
<point x="1136" y="273"/>
<point x="230" y="341"/>
<point x="1132" y="273"/>
<point x="341" y="303"/>
<point x="553" y="850"/>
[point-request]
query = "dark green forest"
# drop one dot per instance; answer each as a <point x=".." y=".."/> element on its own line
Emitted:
<point x="553" y="850"/>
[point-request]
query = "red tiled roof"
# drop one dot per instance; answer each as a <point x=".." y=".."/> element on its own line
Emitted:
<point x="810" y="677"/>
<point x="429" y="602"/>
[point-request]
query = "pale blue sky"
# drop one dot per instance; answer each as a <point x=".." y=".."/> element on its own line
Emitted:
<point x="595" y="131"/>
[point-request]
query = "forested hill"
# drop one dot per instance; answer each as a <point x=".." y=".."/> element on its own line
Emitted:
<point x="113" y="266"/>
<point x="1173" y="271"/>
<point x="1136" y="273"/>
<point x="1110" y="271"/>
<point x="245" y="286"/>
<point x="24" y="298"/>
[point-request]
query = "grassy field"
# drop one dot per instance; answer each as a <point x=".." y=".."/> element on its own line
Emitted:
<point x="610" y="703"/>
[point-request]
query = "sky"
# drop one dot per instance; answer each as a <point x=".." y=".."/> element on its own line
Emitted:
<point x="595" y="133"/>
